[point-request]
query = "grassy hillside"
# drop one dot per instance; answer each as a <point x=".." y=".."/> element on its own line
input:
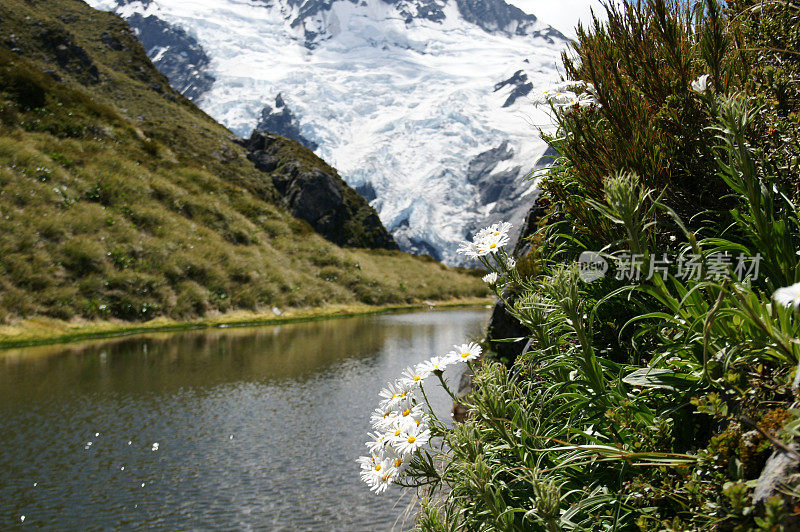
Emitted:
<point x="120" y="199"/>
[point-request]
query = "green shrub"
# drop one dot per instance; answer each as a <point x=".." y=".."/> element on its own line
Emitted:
<point x="647" y="402"/>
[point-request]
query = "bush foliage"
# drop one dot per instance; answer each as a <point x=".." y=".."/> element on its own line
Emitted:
<point x="649" y="402"/>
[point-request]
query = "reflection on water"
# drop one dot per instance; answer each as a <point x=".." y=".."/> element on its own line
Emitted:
<point x="256" y="428"/>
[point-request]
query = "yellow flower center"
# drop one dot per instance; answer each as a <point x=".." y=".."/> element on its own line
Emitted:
<point x="385" y="415"/>
<point x="403" y="394"/>
<point x="417" y="378"/>
<point x="385" y="477"/>
<point x="378" y="467"/>
<point x="418" y="423"/>
<point x="411" y="439"/>
<point x="398" y="462"/>
<point x="496" y="233"/>
<point x="406" y="412"/>
<point x="397" y="432"/>
<point x="493" y="246"/>
<point x="464" y="355"/>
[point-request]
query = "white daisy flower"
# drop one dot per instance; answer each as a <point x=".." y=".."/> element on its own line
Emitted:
<point x="410" y="416"/>
<point x="495" y="230"/>
<point x="700" y="84"/>
<point x="380" y="474"/>
<point x="368" y="462"/>
<point x="382" y="419"/>
<point x="492" y="243"/>
<point x="382" y="483"/>
<point x="414" y="376"/>
<point x="412" y="439"/>
<point x="490" y="278"/>
<point x="378" y="442"/>
<point x="435" y="364"/>
<point x="469" y="249"/>
<point x="394" y="395"/>
<point x="465" y="352"/>
<point x="788" y="296"/>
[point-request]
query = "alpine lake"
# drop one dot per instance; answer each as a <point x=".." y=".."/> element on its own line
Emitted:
<point x="230" y="428"/>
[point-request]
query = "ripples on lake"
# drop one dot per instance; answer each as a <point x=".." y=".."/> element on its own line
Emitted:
<point x="256" y="428"/>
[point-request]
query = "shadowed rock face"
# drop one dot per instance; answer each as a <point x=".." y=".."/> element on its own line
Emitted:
<point x="522" y="87"/>
<point x="281" y="121"/>
<point x="313" y="191"/>
<point x="175" y="53"/>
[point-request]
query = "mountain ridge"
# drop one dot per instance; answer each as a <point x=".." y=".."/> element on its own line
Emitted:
<point x="398" y="96"/>
<point x="120" y="199"/>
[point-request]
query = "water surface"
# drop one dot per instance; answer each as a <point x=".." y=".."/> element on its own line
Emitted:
<point x="256" y="428"/>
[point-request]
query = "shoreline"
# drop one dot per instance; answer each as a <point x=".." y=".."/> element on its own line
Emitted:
<point x="49" y="331"/>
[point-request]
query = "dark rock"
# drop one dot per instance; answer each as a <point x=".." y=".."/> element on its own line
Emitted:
<point x="503" y="326"/>
<point x="497" y="16"/>
<point x="367" y="191"/>
<point x="175" y="53"/>
<point x="281" y="121"/>
<point x="460" y="411"/>
<point x="529" y="226"/>
<point x="522" y="87"/>
<point x="519" y="77"/>
<point x="264" y="161"/>
<point x="518" y="92"/>
<point x="482" y="164"/>
<point x="315" y="193"/>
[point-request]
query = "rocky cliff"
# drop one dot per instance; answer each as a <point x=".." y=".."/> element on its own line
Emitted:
<point x="313" y="191"/>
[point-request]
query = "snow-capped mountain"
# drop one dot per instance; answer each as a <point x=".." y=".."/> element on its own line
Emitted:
<point x="420" y="104"/>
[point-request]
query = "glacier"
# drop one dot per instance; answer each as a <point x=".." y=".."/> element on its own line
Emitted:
<point x="405" y="98"/>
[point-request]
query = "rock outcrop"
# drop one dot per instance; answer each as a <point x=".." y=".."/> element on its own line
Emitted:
<point x="281" y="121"/>
<point x="502" y="324"/>
<point x="175" y="53"/>
<point x="522" y="87"/>
<point x="313" y="191"/>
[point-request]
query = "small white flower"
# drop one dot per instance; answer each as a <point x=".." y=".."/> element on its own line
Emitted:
<point x="382" y="419"/>
<point x="411" y="416"/>
<point x="412" y="439"/>
<point x="465" y="352"/>
<point x="788" y="296"/>
<point x="490" y="278"/>
<point x="155" y="447"/>
<point x="487" y="240"/>
<point x="413" y="377"/>
<point x="492" y="243"/>
<point x="468" y="249"/>
<point x="379" y="474"/>
<point x="511" y="263"/>
<point x="394" y="395"/>
<point x="378" y="442"/>
<point x="435" y="364"/>
<point x="700" y="84"/>
<point x="493" y="231"/>
<point x="368" y="462"/>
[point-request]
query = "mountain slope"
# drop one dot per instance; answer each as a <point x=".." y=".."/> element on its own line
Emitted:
<point x="119" y="198"/>
<point x="398" y="95"/>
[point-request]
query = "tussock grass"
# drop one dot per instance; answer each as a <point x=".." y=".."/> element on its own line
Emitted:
<point x="120" y="200"/>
